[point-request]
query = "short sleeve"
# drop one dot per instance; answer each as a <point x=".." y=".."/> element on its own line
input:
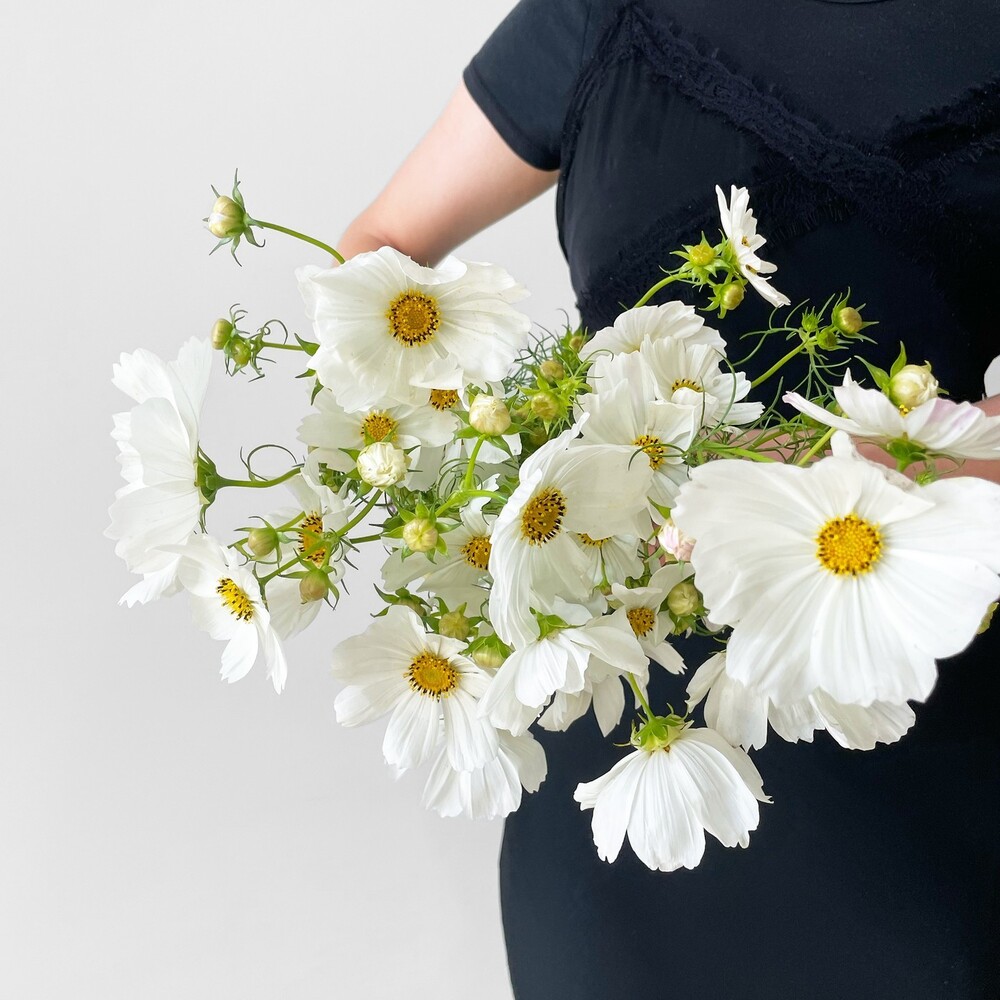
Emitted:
<point x="524" y="76"/>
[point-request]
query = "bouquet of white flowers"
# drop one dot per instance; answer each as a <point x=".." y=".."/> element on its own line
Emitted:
<point x="558" y="512"/>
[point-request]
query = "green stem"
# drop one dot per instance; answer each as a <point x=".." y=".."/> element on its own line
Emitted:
<point x="257" y="484"/>
<point x="265" y="580"/>
<point x="364" y="538"/>
<point x="640" y="697"/>
<point x="778" y="365"/>
<point x="361" y="515"/>
<point x="816" y="448"/>
<point x="660" y="284"/>
<point x="281" y="347"/>
<point x="299" y="236"/>
<point x="725" y="450"/>
<point x="462" y="495"/>
<point x="471" y="469"/>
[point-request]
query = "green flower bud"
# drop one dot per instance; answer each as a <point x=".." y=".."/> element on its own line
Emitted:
<point x="731" y="295"/>
<point x="262" y="541"/>
<point x="552" y="370"/>
<point x="314" y="586"/>
<point x="489" y="654"/>
<point x="454" y="625"/>
<point x="827" y="339"/>
<point x="701" y="255"/>
<point x="227" y="219"/>
<point x="545" y="406"/>
<point x="988" y="618"/>
<point x="222" y="330"/>
<point x="420" y="534"/>
<point x="684" y="599"/>
<point x="239" y="351"/>
<point x="576" y="342"/>
<point x="848" y="320"/>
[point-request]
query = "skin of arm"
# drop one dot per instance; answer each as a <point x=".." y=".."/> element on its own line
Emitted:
<point x="461" y="178"/>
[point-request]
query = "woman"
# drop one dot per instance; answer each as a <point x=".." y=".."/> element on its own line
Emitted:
<point x="868" y="132"/>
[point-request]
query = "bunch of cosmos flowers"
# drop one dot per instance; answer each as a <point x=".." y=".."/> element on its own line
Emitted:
<point x="558" y="512"/>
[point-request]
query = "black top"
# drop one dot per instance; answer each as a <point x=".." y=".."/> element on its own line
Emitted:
<point x="868" y="134"/>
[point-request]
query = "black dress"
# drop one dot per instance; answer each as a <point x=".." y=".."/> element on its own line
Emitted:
<point x="869" y="136"/>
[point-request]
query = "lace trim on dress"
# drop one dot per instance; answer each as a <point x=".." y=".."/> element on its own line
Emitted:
<point x="808" y="174"/>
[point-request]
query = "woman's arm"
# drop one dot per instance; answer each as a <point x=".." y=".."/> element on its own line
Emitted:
<point x="461" y="177"/>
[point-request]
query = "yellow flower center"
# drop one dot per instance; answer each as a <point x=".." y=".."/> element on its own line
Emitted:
<point x="542" y="518"/>
<point x="903" y="410"/>
<point x="655" y="449"/>
<point x="413" y="318"/>
<point x="235" y="598"/>
<point x="476" y="552"/>
<point x="432" y="675"/>
<point x="443" y="399"/>
<point x="378" y="426"/>
<point x="642" y="620"/>
<point x="597" y="543"/>
<point x="848" y="546"/>
<point x="310" y="535"/>
<point x="686" y="383"/>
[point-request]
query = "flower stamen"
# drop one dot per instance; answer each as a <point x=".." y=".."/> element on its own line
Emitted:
<point x="414" y="318"/>
<point x="235" y="598"/>
<point x="542" y="517"/>
<point x="310" y="534"/>
<point x="655" y="449"/>
<point x="443" y="399"/>
<point x="686" y="383"/>
<point x="432" y="675"/>
<point x="476" y="552"/>
<point x="378" y="426"/>
<point x="848" y="546"/>
<point x="642" y="620"/>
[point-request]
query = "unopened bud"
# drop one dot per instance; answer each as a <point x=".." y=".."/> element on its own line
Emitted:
<point x="848" y="320"/>
<point x="489" y="415"/>
<point x="545" y="406"/>
<point x="222" y="330"/>
<point x="262" y="541"/>
<point x="239" y="351"/>
<point x="454" y="625"/>
<point x="987" y="619"/>
<point x="314" y="586"/>
<point x="684" y="599"/>
<point x="227" y="219"/>
<point x="702" y="254"/>
<point x="576" y="342"/>
<point x="420" y="534"/>
<point x="552" y="370"/>
<point x="489" y="655"/>
<point x="731" y="295"/>
<point x="912" y="385"/>
<point x="674" y="541"/>
<point x="826" y="340"/>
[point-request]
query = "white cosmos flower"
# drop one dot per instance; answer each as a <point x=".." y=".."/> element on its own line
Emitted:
<point x="742" y="714"/>
<point x="385" y="324"/>
<point x="634" y="327"/>
<point x="624" y="410"/>
<point x="565" y="488"/>
<point x="493" y="790"/>
<point x="693" y="376"/>
<point x="958" y="430"/>
<point x="382" y="464"/>
<point x="560" y="661"/>
<point x="667" y="799"/>
<point x="160" y="505"/>
<point x="740" y="227"/>
<point x="396" y="667"/>
<point x="641" y="607"/>
<point x="460" y="575"/>
<point x="333" y="432"/>
<point x="836" y="578"/>
<point x="226" y="601"/>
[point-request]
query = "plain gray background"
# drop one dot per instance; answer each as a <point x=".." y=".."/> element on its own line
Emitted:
<point x="164" y="835"/>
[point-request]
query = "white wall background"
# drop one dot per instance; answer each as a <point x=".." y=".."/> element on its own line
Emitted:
<point x="163" y="835"/>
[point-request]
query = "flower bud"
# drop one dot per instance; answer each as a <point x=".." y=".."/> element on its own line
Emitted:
<point x="576" y="342"/>
<point x="702" y="254"/>
<point x="489" y="415"/>
<point x="314" y="586"/>
<point x="826" y="339"/>
<point x="990" y="611"/>
<point x="489" y="654"/>
<point x="731" y="295"/>
<point x="552" y="370"/>
<point x="262" y="541"/>
<point x="239" y="351"/>
<point x="222" y="330"/>
<point x="674" y="541"/>
<point x="848" y="320"/>
<point x="454" y="625"/>
<point x="381" y="464"/>
<point x="912" y="385"/>
<point x="545" y="406"/>
<point x="420" y="534"/>
<point x="227" y="219"/>
<point x="684" y="599"/>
